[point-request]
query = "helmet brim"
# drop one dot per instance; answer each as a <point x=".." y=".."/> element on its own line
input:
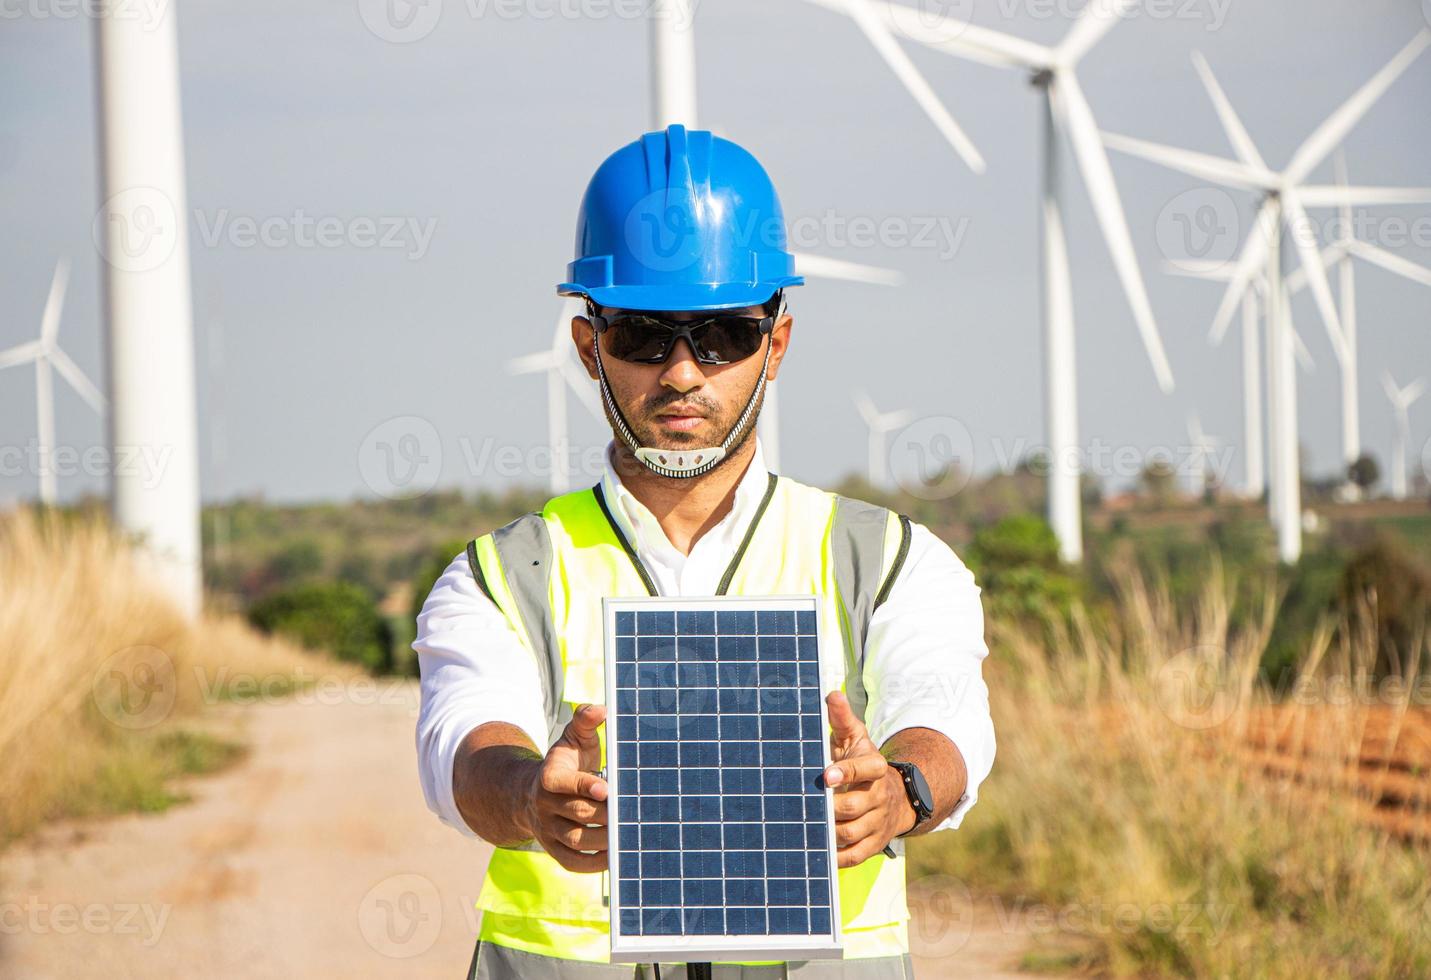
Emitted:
<point x="681" y="296"/>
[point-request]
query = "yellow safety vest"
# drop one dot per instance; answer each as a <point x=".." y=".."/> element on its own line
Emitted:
<point x="547" y="572"/>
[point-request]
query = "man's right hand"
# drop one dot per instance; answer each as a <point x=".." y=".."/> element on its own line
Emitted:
<point x="566" y="800"/>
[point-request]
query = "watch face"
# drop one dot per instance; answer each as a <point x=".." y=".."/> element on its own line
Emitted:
<point x="921" y="789"/>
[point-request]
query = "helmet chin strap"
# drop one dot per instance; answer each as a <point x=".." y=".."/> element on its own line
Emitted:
<point x="679" y="463"/>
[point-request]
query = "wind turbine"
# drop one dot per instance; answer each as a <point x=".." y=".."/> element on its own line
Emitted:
<point x="1340" y="255"/>
<point x="673" y="100"/>
<point x="1401" y="399"/>
<point x="1254" y="481"/>
<point x="1066" y="114"/>
<point x="1285" y="197"/>
<point x="556" y="363"/>
<point x="880" y="424"/>
<point x="1202" y="446"/>
<point x="45" y="354"/>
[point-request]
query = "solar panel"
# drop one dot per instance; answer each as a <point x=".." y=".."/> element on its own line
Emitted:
<point x="721" y="834"/>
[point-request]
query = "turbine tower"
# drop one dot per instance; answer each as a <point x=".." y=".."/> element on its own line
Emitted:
<point x="1285" y="197"/>
<point x="1202" y="447"/>
<point x="46" y="355"/>
<point x="880" y="424"/>
<point x="673" y="100"/>
<point x="1067" y="115"/>
<point x="142" y="232"/>
<point x="561" y="372"/>
<point x="1401" y="399"/>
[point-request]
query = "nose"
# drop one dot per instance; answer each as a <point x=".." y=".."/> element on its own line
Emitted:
<point x="682" y="371"/>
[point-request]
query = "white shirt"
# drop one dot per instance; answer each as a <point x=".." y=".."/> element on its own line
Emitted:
<point x="924" y="647"/>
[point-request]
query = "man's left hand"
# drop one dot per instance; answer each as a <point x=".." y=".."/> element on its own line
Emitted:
<point x="871" y="806"/>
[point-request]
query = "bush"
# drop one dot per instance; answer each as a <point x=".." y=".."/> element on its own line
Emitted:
<point x="335" y="616"/>
<point x="1384" y="581"/>
<point x="1017" y="563"/>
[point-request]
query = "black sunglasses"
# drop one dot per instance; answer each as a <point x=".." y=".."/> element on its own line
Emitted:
<point x="641" y="337"/>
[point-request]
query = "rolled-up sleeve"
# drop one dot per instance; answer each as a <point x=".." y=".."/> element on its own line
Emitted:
<point x="474" y="670"/>
<point x="924" y="654"/>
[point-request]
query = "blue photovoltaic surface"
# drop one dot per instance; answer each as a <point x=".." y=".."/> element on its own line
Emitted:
<point x="720" y="746"/>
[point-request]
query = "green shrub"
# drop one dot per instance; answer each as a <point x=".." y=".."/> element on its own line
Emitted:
<point x="1016" y="561"/>
<point x="335" y="616"/>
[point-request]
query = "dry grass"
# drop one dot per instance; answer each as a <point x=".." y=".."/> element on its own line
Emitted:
<point x="1131" y="803"/>
<point x="99" y="674"/>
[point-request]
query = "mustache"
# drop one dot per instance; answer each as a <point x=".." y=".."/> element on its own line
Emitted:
<point x="691" y="398"/>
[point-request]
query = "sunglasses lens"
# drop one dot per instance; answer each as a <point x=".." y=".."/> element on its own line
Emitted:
<point x="729" y="338"/>
<point x="638" y="338"/>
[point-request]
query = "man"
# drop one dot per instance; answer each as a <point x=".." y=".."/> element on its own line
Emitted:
<point x="681" y="259"/>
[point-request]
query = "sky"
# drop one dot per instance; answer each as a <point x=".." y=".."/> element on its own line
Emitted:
<point x="454" y="162"/>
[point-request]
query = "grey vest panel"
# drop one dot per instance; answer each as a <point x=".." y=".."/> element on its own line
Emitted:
<point x="525" y="549"/>
<point x="857" y="544"/>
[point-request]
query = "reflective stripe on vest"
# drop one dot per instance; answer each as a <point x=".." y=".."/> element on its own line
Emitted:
<point x="547" y="572"/>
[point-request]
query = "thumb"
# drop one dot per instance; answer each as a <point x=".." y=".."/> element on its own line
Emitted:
<point x="581" y="730"/>
<point x="844" y="725"/>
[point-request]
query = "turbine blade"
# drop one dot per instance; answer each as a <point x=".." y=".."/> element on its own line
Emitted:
<point x="959" y="38"/>
<point x="584" y="389"/>
<point x="867" y="19"/>
<point x="1387" y="260"/>
<point x="1229" y="173"/>
<point x="1344" y="215"/>
<point x="1330" y="195"/>
<point x="1299" y="231"/>
<point x="20" y="354"/>
<point x="1096" y="19"/>
<point x="866" y="408"/>
<point x="1296" y="280"/>
<point x="1077" y="117"/>
<point x="1302" y="352"/>
<point x="54" y="303"/>
<point x="82" y="385"/>
<point x="571" y="307"/>
<point x="890" y="421"/>
<point x="1249" y="265"/>
<point x="1412" y="392"/>
<point x="1326" y="136"/>
<point x="1237" y="134"/>
<point x="822" y="267"/>
<point x="1213" y="270"/>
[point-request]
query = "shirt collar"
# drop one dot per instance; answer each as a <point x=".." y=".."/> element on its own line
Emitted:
<point x="640" y="526"/>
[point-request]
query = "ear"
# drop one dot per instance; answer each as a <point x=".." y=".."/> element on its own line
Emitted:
<point x="779" y="344"/>
<point x="583" y="335"/>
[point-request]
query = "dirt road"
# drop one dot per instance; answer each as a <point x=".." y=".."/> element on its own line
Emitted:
<point x="315" y="857"/>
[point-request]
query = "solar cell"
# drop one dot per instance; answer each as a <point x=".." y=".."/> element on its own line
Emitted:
<point x="721" y="837"/>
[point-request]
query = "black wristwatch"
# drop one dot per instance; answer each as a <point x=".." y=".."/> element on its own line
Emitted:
<point x="919" y="796"/>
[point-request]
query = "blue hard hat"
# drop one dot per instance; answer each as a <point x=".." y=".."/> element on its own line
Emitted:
<point x="680" y="220"/>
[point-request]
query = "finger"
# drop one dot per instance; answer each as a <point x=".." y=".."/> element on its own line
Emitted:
<point x="844" y="726"/>
<point x="581" y="730"/>
<point x="561" y="781"/>
<point x="573" y="860"/>
<point x="576" y="836"/>
<point x="865" y="768"/>
<point x="851" y="832"/>
<point x="848" y="857"/>
<point x="855" y="803"/>
<point x="575" y="809"/>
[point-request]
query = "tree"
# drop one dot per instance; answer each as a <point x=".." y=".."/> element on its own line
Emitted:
<point x="1364" y="472"/>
